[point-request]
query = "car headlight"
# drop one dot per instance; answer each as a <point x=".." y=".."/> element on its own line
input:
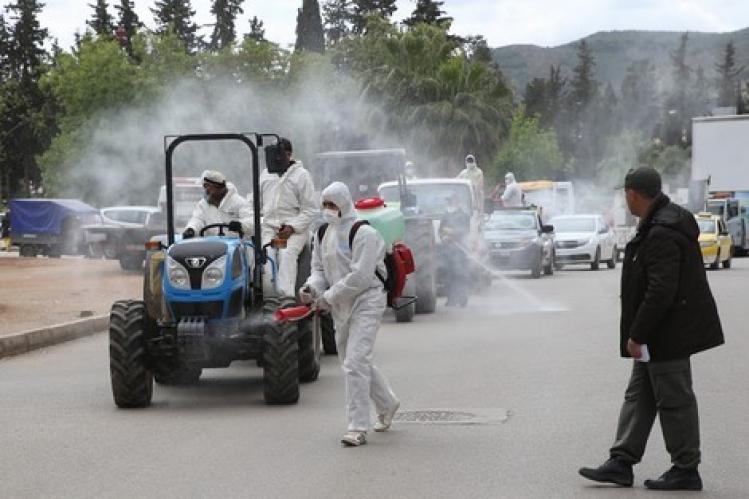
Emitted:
<point x="177" y="274"/>
<point x="213" y="275"/>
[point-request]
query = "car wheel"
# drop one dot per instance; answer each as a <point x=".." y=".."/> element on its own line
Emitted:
<point x="716" y="264"/>
<point x="596" y="263"/>
<point x="612" y="263"/>
<point x="549" y="268"/>
<point x="536" y="268"/>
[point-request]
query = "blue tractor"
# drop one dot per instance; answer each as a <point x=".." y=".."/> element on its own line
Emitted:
<point x="204" y="306"/>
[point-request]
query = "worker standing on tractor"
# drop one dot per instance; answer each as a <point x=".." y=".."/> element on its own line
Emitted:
<point x="345" y="280"/>
<point x="473" y="173"/>
<point x="289" y="208"/>
<point x="221" y="203"/>
<point x="513" y="194"/>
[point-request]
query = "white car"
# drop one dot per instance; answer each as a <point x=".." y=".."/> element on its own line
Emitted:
<point x="584" y="239"/>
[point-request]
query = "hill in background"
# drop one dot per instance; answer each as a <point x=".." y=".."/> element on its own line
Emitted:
<point x="614" y="51"/>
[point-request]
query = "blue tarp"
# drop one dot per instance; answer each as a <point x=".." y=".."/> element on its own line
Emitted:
<point x="44" y="216"/>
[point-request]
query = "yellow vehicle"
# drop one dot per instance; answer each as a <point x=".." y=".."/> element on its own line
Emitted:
<point x="715" y="241"/>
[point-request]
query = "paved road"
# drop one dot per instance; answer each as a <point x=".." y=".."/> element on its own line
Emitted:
<point x="544" y="350"/>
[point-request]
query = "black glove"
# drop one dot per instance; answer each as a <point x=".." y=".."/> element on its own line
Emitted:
<point x="188" y="233"/>
<point x="235" y="226"/>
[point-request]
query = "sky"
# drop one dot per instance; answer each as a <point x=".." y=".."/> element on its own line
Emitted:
<point x="502" y="22"/>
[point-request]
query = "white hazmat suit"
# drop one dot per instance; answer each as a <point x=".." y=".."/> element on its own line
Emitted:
<point x="473" y="173"/>
<point x="232" y="207"/>
<point x="513" y="195"/>
<point x="288" y="199"/>
<point x="345" y="278"/>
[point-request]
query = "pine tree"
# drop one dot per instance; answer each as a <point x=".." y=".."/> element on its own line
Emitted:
<point x="224" y="31"/>
<point x="101" y="22"/>
<point x="639" y="96"/>
<point x="584" y="84"/>
<point x="728" y="74"/>
<point x="24" y="130"/>
<point x="337" y="15"/>
<point x="5" y="47"/>
<point x="701" y="94"/>
<point x="428" y="12"/>
<point x="309" y="32"/>
<point x="128" y="24"/>
<point x="677" y="119"/>
<point x="362" y="9"/>
<point x="257" y="31"/>
<point x="177" y="15"/>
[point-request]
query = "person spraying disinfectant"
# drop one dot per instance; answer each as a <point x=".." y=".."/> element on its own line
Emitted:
<point x="473" y="173"/>
<point x="345" y="280"/>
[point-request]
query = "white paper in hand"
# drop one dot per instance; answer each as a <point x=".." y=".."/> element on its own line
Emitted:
<point x="644" y="354"/>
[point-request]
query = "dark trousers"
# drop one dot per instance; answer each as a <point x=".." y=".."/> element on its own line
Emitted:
<point x="662" y="388"/>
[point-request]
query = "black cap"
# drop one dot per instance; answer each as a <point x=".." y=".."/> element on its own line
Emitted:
<point x="284" y="144"/>
<point x="645" y="180"/>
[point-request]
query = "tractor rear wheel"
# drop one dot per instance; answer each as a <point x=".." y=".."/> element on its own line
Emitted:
<point x="132" y="379"/>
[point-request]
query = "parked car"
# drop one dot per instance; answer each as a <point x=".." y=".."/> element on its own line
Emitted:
<point x="715" y="241"/>
<point x="123" y="232"/>
<point x="584" y="239"/>
<point x="518" y="240"/>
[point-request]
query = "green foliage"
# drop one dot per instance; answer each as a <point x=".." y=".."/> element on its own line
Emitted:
<point x="530" y="152"/>
<point x="728" y="74"/>
<point x="257" y="32"/>
<point x="129" y="23"/>
<point x="363" y="10"/>
<point x="310" y="36"/>
<point x="671" y="161"/>
<point x="337" y="15"/>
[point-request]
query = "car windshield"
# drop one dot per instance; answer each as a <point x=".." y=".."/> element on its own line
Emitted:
<point x="511" y="221"/>
<point x="431" y="199"/>
<point x="706" y="226"/>
<point x="573" y="224"/>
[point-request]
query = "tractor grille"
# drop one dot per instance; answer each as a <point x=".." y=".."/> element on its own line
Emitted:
<point x="208" y="309"/>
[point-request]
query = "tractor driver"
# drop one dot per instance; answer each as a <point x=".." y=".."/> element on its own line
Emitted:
<point x="221" y="203"/>
<point x="289" y="207"/>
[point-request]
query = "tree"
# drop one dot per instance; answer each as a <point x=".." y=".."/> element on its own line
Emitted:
<point x="639" y="97"/>
<point x="176" y="15"/>
<point x="728" y="74"/>
<point x="476" y="48"/>
<point x="429" y="12"/>
<point x="530" y="152"/>
<point x="337" y="15"/>
<point x="677" y="117"/>
<point x="224" y="31"/>
<point x="25" y="125"/>
<point x="543" y="97"/>
<point x="584" y="85"/>
<point x="257" y="31"/>
<point x="101" y="22"/>
<point x="309" y="31"/>
<point x="128" y="24"/>
<point x="362" y="9"/>
<point x="5" y="48"/>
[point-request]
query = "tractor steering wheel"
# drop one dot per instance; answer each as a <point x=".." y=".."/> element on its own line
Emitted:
<point x="220" y="227"/>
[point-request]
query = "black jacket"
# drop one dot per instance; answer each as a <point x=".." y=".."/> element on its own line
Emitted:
<point x="666" y="300"/>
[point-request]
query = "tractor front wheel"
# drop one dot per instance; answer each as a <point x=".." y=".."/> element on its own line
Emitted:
<point x="132" y="379"/>
<point x="280" y="359"/>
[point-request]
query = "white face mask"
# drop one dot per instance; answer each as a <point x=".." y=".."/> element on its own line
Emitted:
<point x="470" y="166"/>
<point x="331" y="216"/>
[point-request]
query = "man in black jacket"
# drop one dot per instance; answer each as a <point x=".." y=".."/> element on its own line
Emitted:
<point x="668" y="314"/>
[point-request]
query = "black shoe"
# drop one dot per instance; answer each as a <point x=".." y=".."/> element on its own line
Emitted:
<point x="677" y="479"/>
<point x="614" y="470"/>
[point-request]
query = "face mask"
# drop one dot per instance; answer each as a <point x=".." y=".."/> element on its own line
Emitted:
<point x="331" y="216"/>
<point x="471" y="166"/>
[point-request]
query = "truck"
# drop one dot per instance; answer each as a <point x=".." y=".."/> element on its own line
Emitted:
<point x="720" y="160"/>
<point x="50" y="227"/>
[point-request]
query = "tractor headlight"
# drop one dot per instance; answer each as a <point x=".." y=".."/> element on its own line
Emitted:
<point x="213" y="275"/>
<point x="177" y="274"/>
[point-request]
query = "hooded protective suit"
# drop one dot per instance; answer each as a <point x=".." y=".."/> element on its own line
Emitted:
<point x="513" y="195"/>
<point x="473" y="173"/>
<point x="288" y="199"/>
<point x="232" y="207"/>
<point x="345" y="277"/>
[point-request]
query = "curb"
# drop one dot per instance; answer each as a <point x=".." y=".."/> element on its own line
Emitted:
<point x="26" y="341"/>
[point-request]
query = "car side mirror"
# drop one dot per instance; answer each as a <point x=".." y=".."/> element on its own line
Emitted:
<point x="547" y="229"/>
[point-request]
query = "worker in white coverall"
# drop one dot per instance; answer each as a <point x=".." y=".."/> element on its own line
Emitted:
<point x="473" y="173"/>
<point x="513" y="195"/>
<point x="221" y="203"/>
<point x="289" y="206"/>
<point x="344" y="281"/>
